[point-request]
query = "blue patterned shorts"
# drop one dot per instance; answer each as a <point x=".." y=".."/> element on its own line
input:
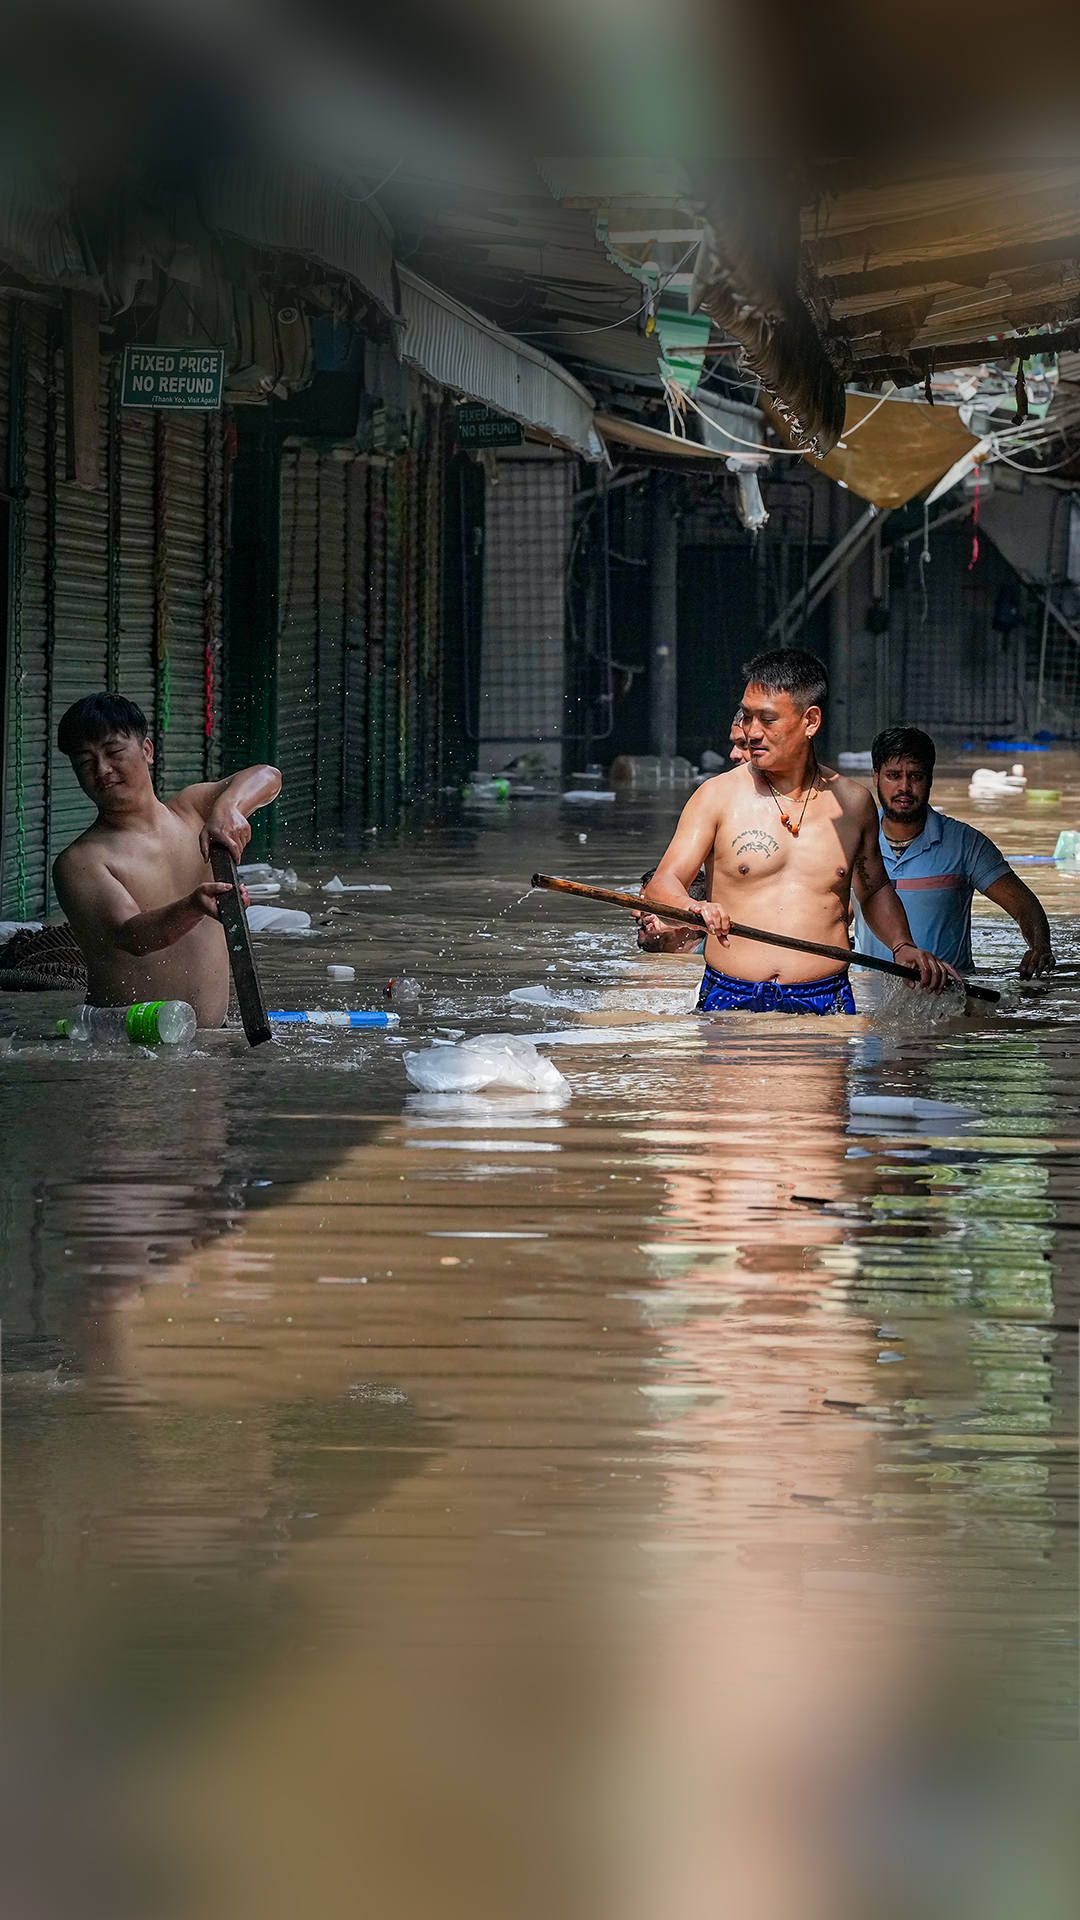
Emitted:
<point x="719" y="994"/>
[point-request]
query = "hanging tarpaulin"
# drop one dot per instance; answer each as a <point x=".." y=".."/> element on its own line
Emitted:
<point x="679" y="332"/>
<point x="890" y="450"/>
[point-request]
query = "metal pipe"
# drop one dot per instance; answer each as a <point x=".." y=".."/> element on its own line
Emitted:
<point x="801" y="603"/>
<point x="664" y="623"/>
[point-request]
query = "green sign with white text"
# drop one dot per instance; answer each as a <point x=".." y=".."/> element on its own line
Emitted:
<point x="483" y="427"/>
<point x="183" y="377"/>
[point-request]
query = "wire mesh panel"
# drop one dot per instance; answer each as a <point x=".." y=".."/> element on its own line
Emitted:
<point x="1054" y="671"/>
<point x="955" y="673"/>
<point x="522" y="672"/>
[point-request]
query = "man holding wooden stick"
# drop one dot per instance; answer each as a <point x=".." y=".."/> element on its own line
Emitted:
<point x="784" y="841"/>
<point x="137" y="886"/>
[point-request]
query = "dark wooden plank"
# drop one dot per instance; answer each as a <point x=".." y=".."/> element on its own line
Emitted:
<point x="245" y="973"/>
<point x="81" y="375"/>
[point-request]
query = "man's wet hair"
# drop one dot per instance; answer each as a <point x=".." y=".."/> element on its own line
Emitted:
<point x="793" y="671"/>
<point x="697" y="888"/>
<point x="96" y="717"/>
<point x="904" y="743"/>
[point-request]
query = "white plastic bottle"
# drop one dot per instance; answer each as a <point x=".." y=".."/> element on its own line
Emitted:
<point x="147" y="1024"/>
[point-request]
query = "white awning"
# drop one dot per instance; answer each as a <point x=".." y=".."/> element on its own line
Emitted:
<point x="460" y="350"/>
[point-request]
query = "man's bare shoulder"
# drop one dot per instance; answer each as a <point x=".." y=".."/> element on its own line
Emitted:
<point x="194" y="803"/>
<point x="85" y="853"/>
<point x="719" y="790"/>
<point x="851" y="796"/>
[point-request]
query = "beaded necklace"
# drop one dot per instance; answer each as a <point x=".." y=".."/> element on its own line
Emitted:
<point x="785" y="818"/>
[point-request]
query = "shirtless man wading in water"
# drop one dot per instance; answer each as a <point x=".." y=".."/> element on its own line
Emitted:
<point x="783" y="841"/>
<point x="137" y="886"/>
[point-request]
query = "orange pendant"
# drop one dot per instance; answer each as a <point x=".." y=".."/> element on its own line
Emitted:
<point x="785" y="820"/>
<point x="794" y="833"/>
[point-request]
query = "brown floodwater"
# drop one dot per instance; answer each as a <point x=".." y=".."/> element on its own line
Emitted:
<point x="656" y="1503"/>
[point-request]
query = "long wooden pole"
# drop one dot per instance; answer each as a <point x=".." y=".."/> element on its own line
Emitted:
<point x="638" y="904"/>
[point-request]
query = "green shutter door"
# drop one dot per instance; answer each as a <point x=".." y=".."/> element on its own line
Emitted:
<point x="331" y="527"/>
<point x="24" y="754"/>
<point x="117" y="586"/>
<point x="190" y="448"/>
<point x="76" y="608"/>
<point x="295" y="734"/>
<point x="131" y="485"/>
<point x="319" y="517"/>
<point x="354" y="665"/>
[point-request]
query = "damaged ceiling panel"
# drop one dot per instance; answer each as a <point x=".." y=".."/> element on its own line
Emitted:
<point x="839" y="276"/>
<point x="537" y="261"/>
<point x="917" y="269"/>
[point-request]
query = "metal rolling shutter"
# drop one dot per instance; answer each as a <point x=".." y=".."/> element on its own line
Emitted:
<point x="330" y="535"/>
<point x="429" y="596"/>
<point x="408" y="476"/>
<point x="166" y="479"/>
<point x="188" y="445"/>
<point x="295" y="732"/>
<point x="392" y="746"/>
<point x="76" y="609"/>
<point x="319" y="522"/>
<point x="131" y="483"/>
<point x="375" y="569"/>
<point x="357" y="703"/>
<point x="98" y="577"/>
<point x="24" y="758"/>
<point x="354" y="670"/>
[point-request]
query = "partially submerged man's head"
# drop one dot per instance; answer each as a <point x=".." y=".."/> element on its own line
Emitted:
<point x="737" y="741"/>
<point x="783" y="706"/>
<point x="903" y="760"/>
<point x="106" y="738"/>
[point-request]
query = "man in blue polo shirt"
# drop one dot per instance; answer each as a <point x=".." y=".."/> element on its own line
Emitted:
<point x="936" y="864"/>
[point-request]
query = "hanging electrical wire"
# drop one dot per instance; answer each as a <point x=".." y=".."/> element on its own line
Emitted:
<point x="924" y="562"/>
<point x="576" y="333"/>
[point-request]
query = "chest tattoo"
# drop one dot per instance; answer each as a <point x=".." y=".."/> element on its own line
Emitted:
<point x="755" y="840"/>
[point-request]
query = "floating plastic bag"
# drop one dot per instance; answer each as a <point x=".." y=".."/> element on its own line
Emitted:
<point x="260" y="877"/>
<point x="491" y="1060"/>
<point x="278" y="920"/>
<point x="1068" y="846"/>
<point x="989" y="783"/>
<point x="337" y="885"/>
<point x="905" y="1107"/>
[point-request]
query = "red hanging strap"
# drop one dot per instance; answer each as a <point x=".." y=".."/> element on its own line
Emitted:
<point x="975" y="534"/>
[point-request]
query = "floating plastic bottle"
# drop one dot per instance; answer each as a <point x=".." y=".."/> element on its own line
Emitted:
<point x="314" y="1018"/>
<point x="148" y="1023"/>
<point x="481" y="788"/>
<point x="403" y="990"/>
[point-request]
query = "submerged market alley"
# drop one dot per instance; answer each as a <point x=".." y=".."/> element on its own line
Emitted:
<point x="643" y="1486"/>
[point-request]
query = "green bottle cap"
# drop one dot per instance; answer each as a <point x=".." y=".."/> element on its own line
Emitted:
<point x="142" y="1023"/>
<point x="64" y="1027"/>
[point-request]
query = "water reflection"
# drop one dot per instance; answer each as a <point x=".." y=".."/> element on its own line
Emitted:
<point x="506" y="1506"/>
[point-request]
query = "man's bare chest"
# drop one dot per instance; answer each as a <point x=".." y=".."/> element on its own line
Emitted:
<point x="756" y="845"/>
<point x="160" y="867"/>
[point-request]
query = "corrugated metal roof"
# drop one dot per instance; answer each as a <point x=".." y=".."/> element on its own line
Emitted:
<point x="459" y="350"/>
<point x="296" y="209"/>
<point x="37" y="236"/>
